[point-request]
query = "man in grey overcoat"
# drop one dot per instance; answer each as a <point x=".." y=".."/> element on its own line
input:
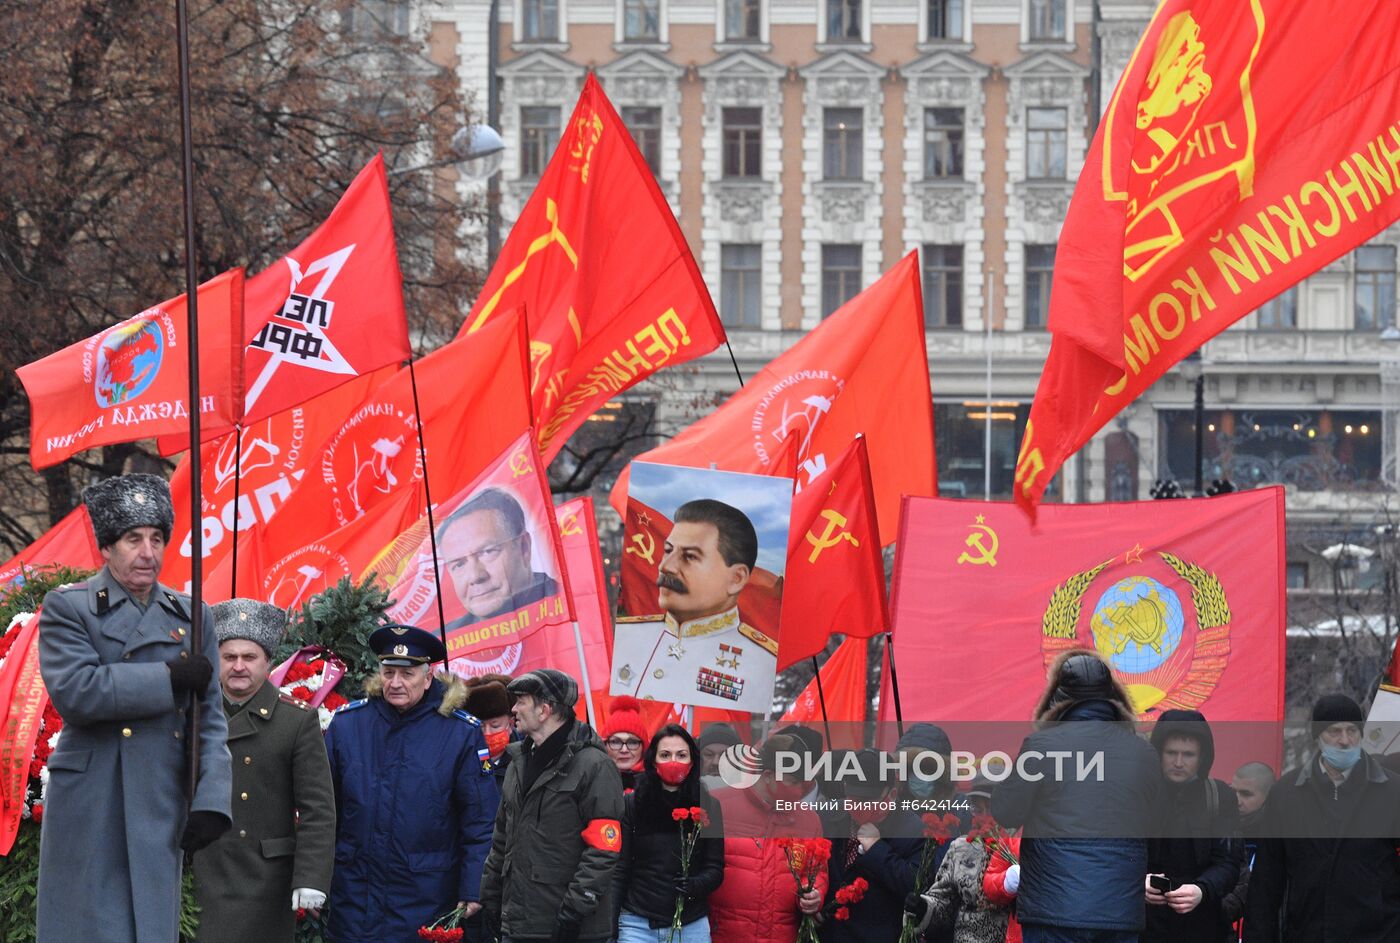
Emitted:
<point x="278" y="856"/>
<point x="116" y="658"/>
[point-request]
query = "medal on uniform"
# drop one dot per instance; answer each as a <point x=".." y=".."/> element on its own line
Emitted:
<point x="677" y="650"/>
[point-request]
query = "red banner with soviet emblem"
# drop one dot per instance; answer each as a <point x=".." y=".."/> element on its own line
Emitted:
<point x="1247" y="145"/>
<point x="862" y="370"/>
<point x="1184" y="599"/>
<point x="70" y="542"/>
<point x="132" y="381"/>
<point x="500" y="566"/>
<point x="598" y="261"/>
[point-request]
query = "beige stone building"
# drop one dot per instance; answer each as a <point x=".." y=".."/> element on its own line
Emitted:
<point x="806" y="145"/>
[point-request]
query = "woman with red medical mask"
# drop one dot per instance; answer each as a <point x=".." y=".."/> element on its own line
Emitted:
<point x="648" y="878"/>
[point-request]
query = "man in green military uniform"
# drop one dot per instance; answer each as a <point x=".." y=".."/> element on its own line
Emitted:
<point x="278" y="856"/>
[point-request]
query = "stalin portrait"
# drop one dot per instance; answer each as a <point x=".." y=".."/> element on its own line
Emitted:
<point x="697" y="650"/>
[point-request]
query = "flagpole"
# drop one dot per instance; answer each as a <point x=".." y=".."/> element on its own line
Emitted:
<point x="987" y="417"/>
<point x="821" y="697"/>
<point x="237" y="482"/>
<point x="894" y="681"/>
<point x="428" y="497"/>
<point x="583" y="674"/>
<point x="182" y="42"/>
<point x="734" y="360"/>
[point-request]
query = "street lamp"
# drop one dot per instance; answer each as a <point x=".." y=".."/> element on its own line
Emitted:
<point x="477" y="152"/>
<point x="1193" y="371"/>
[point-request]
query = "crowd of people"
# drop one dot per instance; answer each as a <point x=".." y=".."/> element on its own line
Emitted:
<point x="490" y="803"/>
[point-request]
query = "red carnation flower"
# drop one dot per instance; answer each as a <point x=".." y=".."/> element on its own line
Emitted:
<point x="680" y="815"/>
<point x="842" y="913"/>
<point x="302" y="693"/>
<point x="37" y="812"/>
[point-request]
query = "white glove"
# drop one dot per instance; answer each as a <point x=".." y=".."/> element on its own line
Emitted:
<point x="1013" y="879"/>
<point x="307" y="898"/>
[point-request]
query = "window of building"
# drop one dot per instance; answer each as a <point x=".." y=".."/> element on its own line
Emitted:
<point x="943" y="143"/>
<point x="943" y="278"/>
<point x="945" y="19"/>
<point x="1310" y="450"/>
<point x="741" y="20"/>
<point x="1281" y="312"/>
<point x="1040" y="269"/>
<point x="842" y="141"/>
<point x="1046" y="143"/>
<point x="743" y="142"/>
<point x="840" y="276"/>
<point x="371" y="19"/>
<point x="741" y="281"/>
<point x="539" y="20"/>
<point x="1047" y="20"/>
<point x="1297" y="577"/>
<point x="959" y="444"/>
<point x="843" y="21"/>
<point x="641" y="20"/>
<point x="1375" y="287"/>
<point x="539" y="132"/>
<point x="645" y="125"/>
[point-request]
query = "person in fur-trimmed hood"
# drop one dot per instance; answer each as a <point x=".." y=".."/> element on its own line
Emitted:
<point x="414" y="794"/>
<point x="1084" y="848"/>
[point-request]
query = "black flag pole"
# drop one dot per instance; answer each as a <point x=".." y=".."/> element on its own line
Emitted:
<point x="894" y="682"/>
<point x="821" y="697"/>
<point x="432" y="526"/>
<point x="237" y="481"/>
<point x="182" y="42"/>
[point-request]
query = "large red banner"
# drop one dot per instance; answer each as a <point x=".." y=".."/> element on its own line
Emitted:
<point x="1185" y="599"/>
<point x="22" y="702"/>
<point x="1247" y="145"/>
<point x="612" y="291"/>
<point x="131" y="381"/>
<point x="70" y="542"/>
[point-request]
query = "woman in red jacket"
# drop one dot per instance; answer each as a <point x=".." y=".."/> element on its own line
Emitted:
<point x="1000" y="884"/>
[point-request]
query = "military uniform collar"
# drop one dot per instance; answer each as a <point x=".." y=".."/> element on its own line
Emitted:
<point x="105" y="594"/>
<point x="706" y="625"/>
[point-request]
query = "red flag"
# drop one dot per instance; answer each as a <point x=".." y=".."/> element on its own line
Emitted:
<point x="863" y="370"/>
<point x="1246" y="146"/>
<point x="598" y="261"/>
<point x="1185" y="599"/>
<point x="276" y="453"/>
<point x="502" y="573"/>
<point x="70" y="543"/>
<point x="835" y="572"/>
<point x="131" y="381"/>
<point x="843" y="682"/>
<point x="474" y="398"/>
<point x="22" y="702"/>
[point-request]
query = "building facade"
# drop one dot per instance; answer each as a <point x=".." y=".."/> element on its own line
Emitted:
<point x="806" y="145"/>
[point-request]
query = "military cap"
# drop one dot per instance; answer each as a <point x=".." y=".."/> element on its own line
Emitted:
<point x="404" y="645"/>
<point x="250" y="619"/>
<point x="118" y="504"/>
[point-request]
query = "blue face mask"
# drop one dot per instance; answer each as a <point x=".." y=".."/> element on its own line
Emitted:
<point x="922" y="788"/>
<point x="1337" y="758"/>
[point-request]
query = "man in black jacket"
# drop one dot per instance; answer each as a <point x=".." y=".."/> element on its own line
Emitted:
<point x="1195" y="848"/>
<point x="1328" y="858"/>
<point x="1084" y="851"/>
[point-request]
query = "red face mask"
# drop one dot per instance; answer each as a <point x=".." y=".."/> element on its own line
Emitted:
<point x="673" y="773"/>
<point x="497" y="742"/>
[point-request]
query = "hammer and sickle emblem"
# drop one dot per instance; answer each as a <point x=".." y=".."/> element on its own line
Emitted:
<point x="644" y="547"/>
<point x="520" y="465"/>
<point x="977" y="540"/>
<point x="571" y="526"/>
<point x="832" y="535"/>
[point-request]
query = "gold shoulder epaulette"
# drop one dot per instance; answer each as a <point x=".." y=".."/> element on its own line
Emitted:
<point x="626" y="620"/>
<point x="753" y="635"/>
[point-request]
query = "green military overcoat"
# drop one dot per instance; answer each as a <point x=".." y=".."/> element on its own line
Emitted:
<point x="283" y="834"/>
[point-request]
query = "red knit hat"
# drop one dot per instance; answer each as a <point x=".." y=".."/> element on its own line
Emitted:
<point x="625" y="716"/>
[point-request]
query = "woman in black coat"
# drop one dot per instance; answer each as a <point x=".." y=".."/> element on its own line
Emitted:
<point x="648" y="878"/>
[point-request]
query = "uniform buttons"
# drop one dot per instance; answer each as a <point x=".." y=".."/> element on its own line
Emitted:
<point x="242" y="833"/>
<point x="184" y="654"/>
<point x="247" y="761"/>
<point x="177" y="734"/>
<point x="244" y="797"/>
<point x="182" y="631"/>
<point x="126" y="731"/>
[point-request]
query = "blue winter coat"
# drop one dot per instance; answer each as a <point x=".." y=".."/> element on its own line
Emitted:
<point x="415" y="802"/>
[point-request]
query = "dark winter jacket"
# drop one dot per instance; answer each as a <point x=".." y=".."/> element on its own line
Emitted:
<point x="541" y="865"/>
<point x="1331" y="889"/>
<point x="645" y="877"/>
<point x="1194" y="846"/>
<point x="1084" y="850"/>
<point x="891" y="866"/>
<point x="414" y="806"/>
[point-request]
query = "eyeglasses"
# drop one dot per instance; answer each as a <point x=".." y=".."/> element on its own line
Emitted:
<point x="486" y="555"/>
<point x="624" y="743"/>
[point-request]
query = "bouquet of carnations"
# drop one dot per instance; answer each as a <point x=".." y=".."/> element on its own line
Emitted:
<point x="993" y="837"/>
<point x="310" y="676"/>
<point x="845" y="896"/>
<point x="806" y="859"/>
<point x="697" y="818"/>
<point x="938" y="831"/>
<point x="445" y="929"/>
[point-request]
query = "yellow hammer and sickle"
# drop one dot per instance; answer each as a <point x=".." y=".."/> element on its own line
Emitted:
<point x="520" y="465"/>
<point x="555" y="235"/>
<point x="832" y="535"/>
<point x="986" y="556"/>
<point x="645" y="546"/>
<point x="571" y="526"/>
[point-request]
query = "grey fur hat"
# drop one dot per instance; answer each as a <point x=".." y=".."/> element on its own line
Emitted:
<point x="250" y="619"/>
<point x="118" y="504"/>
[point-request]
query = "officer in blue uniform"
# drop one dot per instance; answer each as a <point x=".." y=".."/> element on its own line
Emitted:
<point x="415" y="802"/>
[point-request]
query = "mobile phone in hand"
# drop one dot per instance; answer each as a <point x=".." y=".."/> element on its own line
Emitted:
<point x="1160" y="883"/>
